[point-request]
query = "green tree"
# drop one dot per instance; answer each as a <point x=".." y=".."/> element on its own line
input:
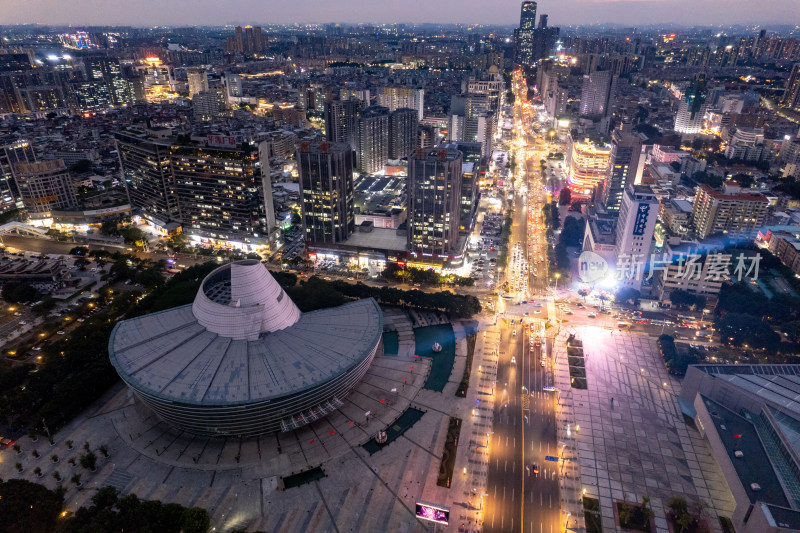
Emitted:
<point x="565" y="196"/>
<point x="26" y="506"/>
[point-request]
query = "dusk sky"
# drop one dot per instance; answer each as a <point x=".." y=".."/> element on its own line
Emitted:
<point x="563" y="12"/>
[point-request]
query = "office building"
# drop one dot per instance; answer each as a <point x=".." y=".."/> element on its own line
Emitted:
<point x="597" y="94"/>
<point x="341" y="120"/>
<point x="326" y="183"/>
<point x="523" y="36"/>
<point x="372" y="139"/>
<point x="638" y="214"/>
<point x="12" y="153"/>
<point x="791" y="97"/>
<point x="247" y="40"/>
<point x="674" y="273"/>
<point x="197" y="78"/>
<point x="729" y="211"/>
<point x="45" y="186"/>
<point x="692" y="108"/>
<point x="242" y="360"/>
<point x="626" y="150"/>
<point x="586" y="166"/>
<point x="749" y="416"/>
<point x="394" y="98"/>
<point x="215" y="193"/>
<point x="434" y="186"/>
<point x="472" y="157"/>
<point x="786" y="247"/>
<point x="544" y="39"/>
<point x="107" y="71"/>
<point x="403" y="124"/>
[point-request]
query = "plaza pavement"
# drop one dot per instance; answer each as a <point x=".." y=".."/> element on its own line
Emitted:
<point x="239" y="481"/>
<point x="639" y="445"/>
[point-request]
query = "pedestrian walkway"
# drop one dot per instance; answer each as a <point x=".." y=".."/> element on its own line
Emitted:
<point x="634" y="446"/>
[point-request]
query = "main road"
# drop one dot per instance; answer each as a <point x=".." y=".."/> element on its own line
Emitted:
<point x="518" y="498"/>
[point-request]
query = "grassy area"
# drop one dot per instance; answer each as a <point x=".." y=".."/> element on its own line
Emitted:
<point x="464" y="385"/>
<point x="449" y="453"/>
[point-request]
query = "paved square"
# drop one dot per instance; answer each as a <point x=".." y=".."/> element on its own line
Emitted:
<point x="636" y="445"/>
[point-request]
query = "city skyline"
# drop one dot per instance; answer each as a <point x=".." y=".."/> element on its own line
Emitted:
<point x="572" y="12"/>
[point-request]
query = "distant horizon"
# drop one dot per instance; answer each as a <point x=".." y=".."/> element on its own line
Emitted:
<point x="183" y="13"/>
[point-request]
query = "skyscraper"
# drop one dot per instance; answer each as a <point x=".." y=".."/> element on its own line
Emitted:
<point x="341" y="118"/>
<point x="326" y="182"/>
<point x="791" y="98"/>
<point x="20" y="151"/>
<point x="394" y="98"/>
<point x="730" y="211"/>
<point x="372" y="139"/>
<point x="544" y="39"/>
<point x="638" y="214"/>
<point x="215" y="193"/>
<point x="523" y="36"/>
<point x="434" y="186"/>
<point x="626" y="150"/>
<point x="597" y="94"/>
<point x="403" y="125"/>
<point x="692" y="107"/>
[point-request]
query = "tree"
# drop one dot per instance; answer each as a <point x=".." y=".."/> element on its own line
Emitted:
<point x="89" y="461"/>
<point x="565" y="196"/>
<point x="18" y="291"/>
<point x="739" y="329"/>
<point x="81" y="263"/>
<point x="584" y="292"/>
<point x="76" y="479"/>
<point x="744" y="181"/>
<point x="133" y="235"/>
<point x="79" y="250"/>
<point x="627" y="295"/>
<point x="27" y="506"/>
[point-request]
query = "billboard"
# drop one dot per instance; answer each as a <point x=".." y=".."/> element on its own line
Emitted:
<point x="222" y="141"/>
<point x="433" y="513"/>
<point x="640" y="224"/>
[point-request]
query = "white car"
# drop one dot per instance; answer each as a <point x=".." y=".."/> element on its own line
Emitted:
<point x="62" y="332"/>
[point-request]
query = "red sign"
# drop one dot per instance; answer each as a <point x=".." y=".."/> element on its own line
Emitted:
<point x="737" y="436"/>
<point x="222" y="141"/>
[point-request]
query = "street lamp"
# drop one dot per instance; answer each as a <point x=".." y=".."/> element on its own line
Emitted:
<point x="558" y="275"/>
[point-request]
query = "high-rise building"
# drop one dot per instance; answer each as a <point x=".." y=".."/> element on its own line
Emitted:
<point x="107" y="70"/>
<point x="434" y="185"/>
<point x="729" y="211"/>
<point x="45" y="186"/>
<point x="341" y="118"/>
<point x="472" y="157"/>
<point x="626" y="150"/>
<point x="692" y="108"/>
<point x="523" y="36"/>
<point x="634" y="233"/>
<point x="791" y="98"/>
<point x="586" y="166"/>
<point x="544" y="39"/>
<point x="597" y="94"/>
<point x="19" y="151"/>
<point x="215" y="193"/>
<point x="403" y="125"/>
<point x="207" y="105"/>
<point x="326" y="182"/>
<point x="250" y="40"/>
<point x="372" y="139"/>
<point x="197" y="78"/>
<point x="393" y="98"/>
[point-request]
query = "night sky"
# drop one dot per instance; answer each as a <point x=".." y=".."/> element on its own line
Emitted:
<point x="562" y="12"/>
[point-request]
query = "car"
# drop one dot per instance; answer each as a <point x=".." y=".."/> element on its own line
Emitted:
<point x="37" y="348"/>
<point x="543" y="362"/>
<point x="4" y="442"/>
<point x="62" y="332"/>
<point x="535" y="469"/>
<point x="513" y="359"/>
<point x="592" y="315"/>
<point x="23" y="322"/>
<point x="537" y="311"/>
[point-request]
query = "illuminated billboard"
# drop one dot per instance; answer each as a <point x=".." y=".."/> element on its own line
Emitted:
<point x="427" y="511"/>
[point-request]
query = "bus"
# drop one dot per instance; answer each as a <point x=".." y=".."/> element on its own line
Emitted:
<point x="687" y="321"/>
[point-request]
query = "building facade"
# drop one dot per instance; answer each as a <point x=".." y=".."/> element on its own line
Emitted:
<point x="634" y="233"/>
<point x="586" y="166"/>
<point x="729" y="211"/>
<point x="434" y="183"/>
<point x="626" y="150"/>
<point x="372" y="139"/>
<point x="403" y="124"/>
<point x="326" y="182"/>
<point x="45" y="186"/>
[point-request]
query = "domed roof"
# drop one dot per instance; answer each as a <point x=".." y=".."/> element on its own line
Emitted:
<point x="242" y="300"/>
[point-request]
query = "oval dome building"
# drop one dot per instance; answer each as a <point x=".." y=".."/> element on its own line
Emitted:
<point x="242" y="360"/>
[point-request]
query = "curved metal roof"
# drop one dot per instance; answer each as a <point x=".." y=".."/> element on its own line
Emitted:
<point x="178" y="355"/>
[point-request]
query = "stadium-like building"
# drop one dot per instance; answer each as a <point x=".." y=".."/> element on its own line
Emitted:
<point x="242" y="360"/>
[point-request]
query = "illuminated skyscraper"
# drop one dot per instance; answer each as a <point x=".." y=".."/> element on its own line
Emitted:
<point x="791" y="98"/>
<point x="326" y="182"/>
<point x="372" y="139"/>
<point x="524" y="35"/>
<point x="12" y="153"/>
<point x="341" y="120"/>
<point x="434" y="198"/>
<point x="198" y="80"/>
<point x="692" y="108"/>
<point x="403" y="125"/>
<point x="44" y="186"/>
<point x="597" y="94"/>
<point x="626" y="150"/>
